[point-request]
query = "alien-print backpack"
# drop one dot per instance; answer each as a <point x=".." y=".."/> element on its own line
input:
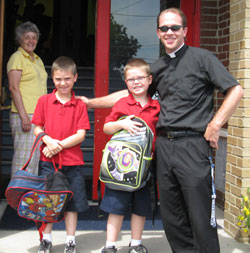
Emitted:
<point x="126" y="159"/>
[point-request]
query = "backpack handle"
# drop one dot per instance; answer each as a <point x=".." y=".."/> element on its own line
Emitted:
<point x="34" y="146"/>
<point x="60" y="162"/>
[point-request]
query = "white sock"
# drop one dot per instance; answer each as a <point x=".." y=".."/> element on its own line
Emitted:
<point x="135" y="242"/>
<point x="47" y="237"/>
<point x="110" y="244"/>
<point x="70" y="238"/>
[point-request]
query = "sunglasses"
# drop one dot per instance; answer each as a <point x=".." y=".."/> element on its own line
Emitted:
<point x="173" y="28"/>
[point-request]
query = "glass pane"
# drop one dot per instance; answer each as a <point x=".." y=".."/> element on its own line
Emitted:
<point x="132" y="34"/>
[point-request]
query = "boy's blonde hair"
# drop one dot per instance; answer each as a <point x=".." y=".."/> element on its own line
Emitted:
<point x="64" y="63"/>
<point x="137" y="63"/>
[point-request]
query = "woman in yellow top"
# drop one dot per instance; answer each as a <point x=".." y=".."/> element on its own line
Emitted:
<point x="27" y="82"/>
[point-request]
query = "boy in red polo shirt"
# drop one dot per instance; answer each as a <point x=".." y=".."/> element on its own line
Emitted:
<point x="65" y="120"/>
<point x="117" y="203"/>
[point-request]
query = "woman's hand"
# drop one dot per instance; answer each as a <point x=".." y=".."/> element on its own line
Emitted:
<point x="26" y="123"/>
<point x="14" y="77"/>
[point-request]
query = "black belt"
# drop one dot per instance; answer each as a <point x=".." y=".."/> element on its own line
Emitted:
<point x="178" y="134"/>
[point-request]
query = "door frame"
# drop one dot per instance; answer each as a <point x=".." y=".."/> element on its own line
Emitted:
<point x="1" y="68"/>
<point x="192" y="11"/>
<point x="1" y="43"/>
<point x="101" y="85"/>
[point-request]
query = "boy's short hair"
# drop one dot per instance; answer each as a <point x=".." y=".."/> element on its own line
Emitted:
<point x="64" y="63"/>
<point x="137" y="63"/>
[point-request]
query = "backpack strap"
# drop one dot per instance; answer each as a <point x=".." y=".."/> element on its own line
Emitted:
<point x="99" y="191"/>
<point x="34" y="146"/>
<point x="60" y="162"/>
<point x="153" y="190"/>
<point x="153" y="197"/>
<point x="40" y="227"/>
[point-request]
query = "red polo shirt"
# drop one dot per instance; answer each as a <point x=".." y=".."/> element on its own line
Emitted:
<point x="129" y="106"/>
<point x="61" y="121"/>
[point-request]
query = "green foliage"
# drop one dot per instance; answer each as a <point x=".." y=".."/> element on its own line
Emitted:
<point x="122" y="46"/>
<point x="244" y="218"/>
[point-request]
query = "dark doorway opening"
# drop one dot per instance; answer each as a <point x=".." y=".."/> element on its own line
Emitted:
<point x="67" y="28"/>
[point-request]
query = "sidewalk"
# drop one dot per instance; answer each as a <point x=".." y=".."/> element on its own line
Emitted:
<point x="93" y="241"/>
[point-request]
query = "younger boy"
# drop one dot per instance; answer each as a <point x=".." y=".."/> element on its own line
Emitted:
<point x="65" y="120"/>
<point x="117" y="203"/>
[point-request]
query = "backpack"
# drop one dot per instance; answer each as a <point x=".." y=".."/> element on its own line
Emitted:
<point x="126" y="159"/>
<point x="42" y="199"/>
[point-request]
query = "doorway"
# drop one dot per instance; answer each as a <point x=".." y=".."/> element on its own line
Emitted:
<point x="66" y="28"/>
<point x="130" y="29"/>
<point x="84" y="31"/>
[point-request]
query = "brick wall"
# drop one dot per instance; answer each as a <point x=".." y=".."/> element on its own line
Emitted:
<point x="209" y="25"/>
<point x="238" y="142"/>
<point x="215" y="20"/>
<point x="223" y="40"/>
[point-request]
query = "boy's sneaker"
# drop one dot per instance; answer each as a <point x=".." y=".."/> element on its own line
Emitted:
<point x="70" y="247"/>
<point x="137" y="249"/>
<point x="109" y="250"/>
<point x="45" y="247"/>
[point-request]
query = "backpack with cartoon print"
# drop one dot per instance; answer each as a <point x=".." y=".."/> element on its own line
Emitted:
<point x="42" y="199"/>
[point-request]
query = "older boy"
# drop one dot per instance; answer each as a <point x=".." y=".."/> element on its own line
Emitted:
<point x="117" y="203"/>
<point x="65" y="120"/>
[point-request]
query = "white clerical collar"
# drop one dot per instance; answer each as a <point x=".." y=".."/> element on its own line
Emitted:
<point x="173" y="55"/>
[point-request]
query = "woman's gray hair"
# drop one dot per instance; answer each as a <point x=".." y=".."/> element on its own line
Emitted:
<point x="24" y="28"/>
